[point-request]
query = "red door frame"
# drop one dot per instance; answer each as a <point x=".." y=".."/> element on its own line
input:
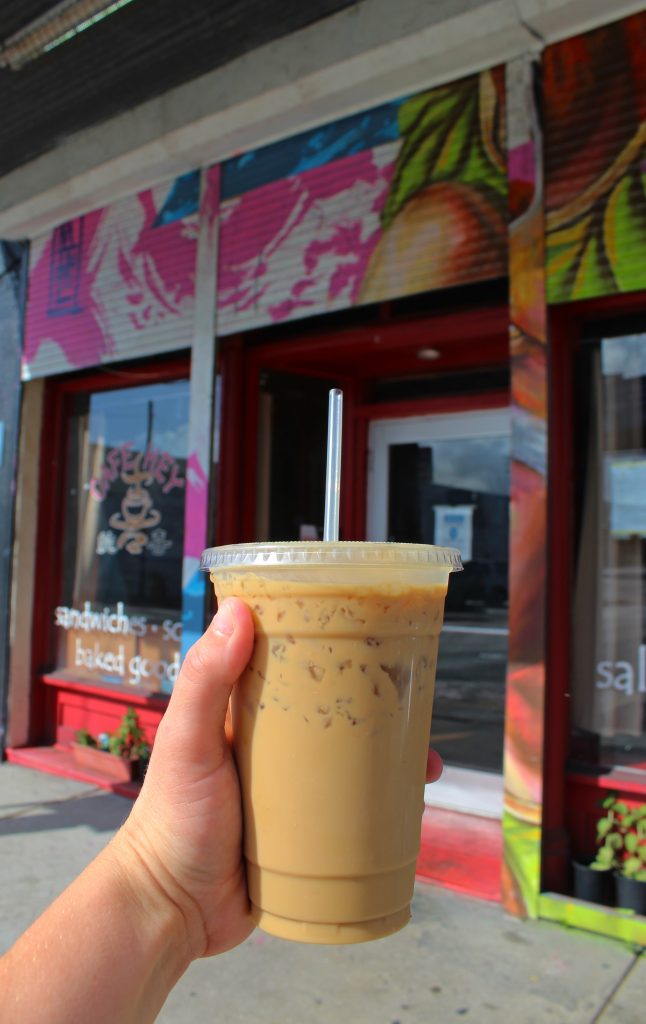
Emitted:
<point x="436" y="406"/>
<point x="59" y="392"/>
<point x="352" y="356"/>
<point x="571" y="799"/>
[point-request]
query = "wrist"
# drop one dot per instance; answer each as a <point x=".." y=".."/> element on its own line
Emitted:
<point x="125" y="946"/>
<point x="163" y="917"/>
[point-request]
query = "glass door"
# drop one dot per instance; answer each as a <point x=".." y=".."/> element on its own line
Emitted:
<point x="444" y="479"/>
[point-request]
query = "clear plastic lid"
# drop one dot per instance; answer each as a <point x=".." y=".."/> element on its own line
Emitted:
<point x="364" y="554"/>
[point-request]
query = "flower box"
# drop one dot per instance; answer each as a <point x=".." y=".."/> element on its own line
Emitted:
<point x="593" y="886"/>
<point x="121" y="769"/>
<point x="631" y="894"/>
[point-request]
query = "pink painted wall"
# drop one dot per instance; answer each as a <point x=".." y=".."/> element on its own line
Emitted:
<point x="114" y="283"/>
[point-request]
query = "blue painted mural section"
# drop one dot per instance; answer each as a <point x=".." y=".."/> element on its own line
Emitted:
<point x="182" y="200"/>
<point x="193" y="598"/>
<point x="310" y="149"/>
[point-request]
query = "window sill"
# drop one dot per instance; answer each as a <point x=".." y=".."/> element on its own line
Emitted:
<point x="628" y="781"/>
<point x="135" y="695"/>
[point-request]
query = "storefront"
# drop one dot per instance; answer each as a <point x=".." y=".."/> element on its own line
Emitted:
<point x="472" y="277"/>
<point x="111" y="445"/>
<point x="111" y="548"/>
<point x="596" y="667"/>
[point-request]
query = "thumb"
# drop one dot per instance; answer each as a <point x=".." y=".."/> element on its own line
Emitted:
<point x="193" y="727"/>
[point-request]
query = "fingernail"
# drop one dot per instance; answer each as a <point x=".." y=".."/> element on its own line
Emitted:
<point x="224" y="623"/>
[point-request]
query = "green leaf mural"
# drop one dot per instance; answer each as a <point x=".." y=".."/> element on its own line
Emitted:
<point x="523" y="857"/>
<point x="596" y="241"/>
<point x="593" y="276"/>
<point x="442" y="141"/>
<point x="624" y="225"/>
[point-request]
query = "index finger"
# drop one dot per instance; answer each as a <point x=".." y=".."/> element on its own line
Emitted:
<point x="434" y="765"/>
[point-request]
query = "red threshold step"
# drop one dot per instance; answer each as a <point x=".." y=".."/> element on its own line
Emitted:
<point x="461" y="852"/>
<point x="58" y="761"/>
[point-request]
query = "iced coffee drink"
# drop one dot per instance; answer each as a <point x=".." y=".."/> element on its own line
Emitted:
<point x="331" y="724"/>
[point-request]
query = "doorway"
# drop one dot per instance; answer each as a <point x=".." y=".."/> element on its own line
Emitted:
<point x="425" y="459"/>
<point x="291" y="454"/>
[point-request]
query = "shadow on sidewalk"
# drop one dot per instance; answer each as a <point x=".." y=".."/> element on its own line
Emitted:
<point x="102" y="812"/>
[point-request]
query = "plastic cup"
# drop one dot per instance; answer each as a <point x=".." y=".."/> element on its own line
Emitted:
<point x="331" y="724"/>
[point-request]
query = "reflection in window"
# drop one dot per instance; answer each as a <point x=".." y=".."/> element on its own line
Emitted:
<point x="609" y="654"/>
<point x="118" y="617"/>
<point x="455" y="492"/>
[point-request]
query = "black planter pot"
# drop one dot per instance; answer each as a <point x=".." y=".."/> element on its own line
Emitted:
<point x="631" y="894"/>
<point x="593" y="886"/>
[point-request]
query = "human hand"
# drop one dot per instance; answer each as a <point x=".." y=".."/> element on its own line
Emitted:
<point x="186" y="826"/>
<point x="170" y="886"/>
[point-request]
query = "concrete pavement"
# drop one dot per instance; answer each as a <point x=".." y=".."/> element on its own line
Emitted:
<point x="458" y="959"/>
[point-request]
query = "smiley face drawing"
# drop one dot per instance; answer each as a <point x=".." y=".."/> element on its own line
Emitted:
<point x="137" y="513"/>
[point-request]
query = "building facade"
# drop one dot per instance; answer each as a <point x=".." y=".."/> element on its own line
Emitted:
<point x="466" y="258"/>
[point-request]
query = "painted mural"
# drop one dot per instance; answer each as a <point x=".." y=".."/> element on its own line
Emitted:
<point x="595" y="117"/>
<point x="117" y="282"/>
<point x="525" y="695"/>
<point x="406" y="198"/>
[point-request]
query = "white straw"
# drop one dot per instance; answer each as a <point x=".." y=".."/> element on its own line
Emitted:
<point x="333" y="471"/>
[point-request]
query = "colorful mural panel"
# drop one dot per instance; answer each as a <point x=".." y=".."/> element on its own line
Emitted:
<point x="406" y="198"/>
<point x="117" y="282"/>
<point x="595" y="147"/>
<point x="525" y="698"/>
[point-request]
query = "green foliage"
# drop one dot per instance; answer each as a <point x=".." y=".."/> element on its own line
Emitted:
<point x="621" y="839"/>
<point x="85" y="738"/>
<point x="128" y="741"/>
<point x="606" y="858"/>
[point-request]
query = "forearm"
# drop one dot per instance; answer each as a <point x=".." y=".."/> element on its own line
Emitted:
<point x="110" y="948"/>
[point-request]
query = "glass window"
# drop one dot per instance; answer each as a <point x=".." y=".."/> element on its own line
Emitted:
<point x="455" y="492"/>
<point x="118" y="621"/>
<point x="445" y="480"/>
<point x="608" y="717"/>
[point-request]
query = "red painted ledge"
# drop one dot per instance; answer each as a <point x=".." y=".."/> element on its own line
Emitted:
<point x="617" y="780"/>
<point x="59" y="761"/>
<point x="138" y="697"/>
<point x="462" y="852"/>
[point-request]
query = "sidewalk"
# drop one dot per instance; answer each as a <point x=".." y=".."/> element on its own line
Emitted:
<point x="459" y="958"/>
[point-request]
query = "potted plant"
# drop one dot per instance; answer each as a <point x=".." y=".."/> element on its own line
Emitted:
<point x="120" y="755"/>
<point x="630" y="878"/>
<point x="593" y="879"/>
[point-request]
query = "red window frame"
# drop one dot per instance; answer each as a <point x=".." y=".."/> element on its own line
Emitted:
<point x="59" y="393"/>
<point x="571" y="799"/>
